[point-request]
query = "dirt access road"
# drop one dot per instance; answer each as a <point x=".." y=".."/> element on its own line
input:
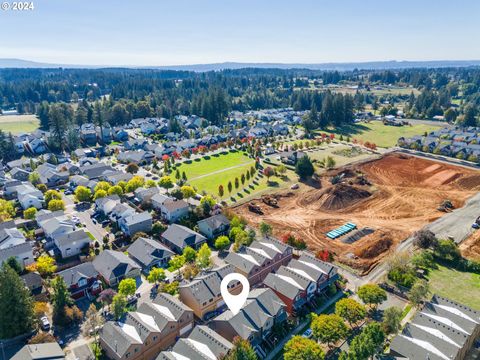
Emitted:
<point x="394" y="196"/>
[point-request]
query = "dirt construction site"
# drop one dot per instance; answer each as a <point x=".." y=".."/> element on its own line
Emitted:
<point x="386" y="199"/>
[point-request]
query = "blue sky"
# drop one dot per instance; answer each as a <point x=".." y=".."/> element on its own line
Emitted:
<point x="168" y="32"/>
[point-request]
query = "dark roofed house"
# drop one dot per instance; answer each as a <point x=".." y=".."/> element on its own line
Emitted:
<point x="178" y="237"/>
<point x="441" y="330"/>
<point x="82" y="280"/>
<point x="291" y="157"/>
<point x="34" y="282"/>
<point x="149" y="253"/>
<point x="214" y="226"/>
<point x="115" y="266"/>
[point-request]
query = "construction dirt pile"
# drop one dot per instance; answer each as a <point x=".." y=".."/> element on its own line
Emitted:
<point x="399" y="196"/>
<point x="336" y="197"/>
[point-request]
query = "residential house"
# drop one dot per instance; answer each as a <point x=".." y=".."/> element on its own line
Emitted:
<point x="50" y="176"/>
<point x="135" y="144"/>
<point x="170" y="209"/>
<point x="45" y="351"/>
<point x="23" y="253"/>
<point x="203" y="295"/>
<point x="11" y="236"/>
<point x="214" y="226"/>
<point x="114" y="266"/>
<point x="82" y="280"/>
<point x="54" y="224"/>
<point x="261" y="258"/>
<point x="88" y="134"/>
<point x="144" y="195"/>
<point x="178" y="237"/>
<point x="441" y="330"/>
<point x="291" y="157"/>
<point x="96" y="170"/>
<point x="104" y="134"/>
<point x="139" y="157"/>
<point x="202" y="343"/>
<point x="149" y="253"/>
<point x="25" y="192"/>
<point x="72" y="243"/>
<point x="136" y="222"/>
<point x="36" y="145"/>
<point x="262" y="310"/>
<point x="34" y="283"/>
<point x="19" y="174"/>
<point x="143" y="333"/>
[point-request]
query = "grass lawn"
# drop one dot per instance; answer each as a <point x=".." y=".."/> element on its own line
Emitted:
<point x="208" y="174"/>
<point x="463" y="287"/>
<point x="382" y="135"/>
<point x="17" y="124"/>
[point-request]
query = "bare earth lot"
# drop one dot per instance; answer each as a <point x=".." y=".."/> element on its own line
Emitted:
<point x="395" y="196"/>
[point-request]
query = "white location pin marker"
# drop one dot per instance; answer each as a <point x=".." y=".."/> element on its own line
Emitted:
<point x="234" y="302"/>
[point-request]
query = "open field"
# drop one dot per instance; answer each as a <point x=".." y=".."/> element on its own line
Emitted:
<point x="463" y="287"/>
<point x="382" y="135"/>
<point x="393" y="196"/>
<point x="17" y="124"/>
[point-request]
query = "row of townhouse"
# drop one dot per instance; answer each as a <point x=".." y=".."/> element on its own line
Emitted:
<point x="442" y="330"/>
<point x="301" y="280"/>
<point x="143" y="333"/>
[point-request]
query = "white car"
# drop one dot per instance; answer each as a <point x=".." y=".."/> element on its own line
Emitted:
<point x="294" y="187"/>
<point x="44" y="323"/>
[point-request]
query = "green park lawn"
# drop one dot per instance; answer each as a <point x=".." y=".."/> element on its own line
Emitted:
<point x="17" y="124"/>
<point x="209" y="172"/>
<point x="463" y="287"/>
<point x="382" y="135"/>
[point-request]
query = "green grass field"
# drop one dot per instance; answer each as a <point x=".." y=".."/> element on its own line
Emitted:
<point x="463" y="287"/>
<point x="17" y="124"/>
<point x="208" y="173"/>
<point x="382" y="135"/>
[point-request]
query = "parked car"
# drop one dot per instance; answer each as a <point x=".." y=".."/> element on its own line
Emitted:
<point x="68" y="192"/>
<point x="44" y="323"/>
<point x="294" y="187"/>
<point x="308" y="333"/>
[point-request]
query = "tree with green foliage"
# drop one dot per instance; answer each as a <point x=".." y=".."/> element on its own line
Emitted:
<point x="203" y="257"/>
<point x="418" y="292"/>
<point x="392" y="317"/>
<point x="83" y="193"/>
<point x="221" y="191"/>
<point x="301" y="348"/>
<point x="165" y="182"/>
<point x="34" y="178"/>
<point x="207" y="203"/>
<point x="176" y="262"/>
<point x="242" y="350"/>
<point x="222" y="243"/>
<point x="156" y="275"/>
<point x="372" y="295"/>
<point x="115" y="190"/>
<point x="61" y="299"/>
<point x="447" y="250"/>
<point x="189" y="254"/>
<point x="51" y="195"/>
<point x="304" y="167"/>
<point x="187" y="191"/>
<point x="127" y="287"/>
<point x="30" y="213"/>
<point x="14" y="264"/>
<point x="229" y="187"/>
<point x="350" y="310"/>
<point x="102" y="185"/>
<point x="150" y="183"/>
<point x="134" y="183"/>
<point x="265" y="229"/>
<point x="56" y="205"/>
<point x="7" y="210"/>
<point x="17" y="316"/>
<point x="368" y="343"/>
<point x="328" y="329"/>
<point x="119" y="306"/>
<point x="99" y="194"/>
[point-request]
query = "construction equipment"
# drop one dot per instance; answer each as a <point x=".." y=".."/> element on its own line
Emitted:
<point x="270" y="200"/>
<point x="446" y="206"/>
<point x="255" y="208"/>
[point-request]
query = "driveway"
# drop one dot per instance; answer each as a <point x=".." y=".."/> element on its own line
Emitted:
<point x="84" y="215"/>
